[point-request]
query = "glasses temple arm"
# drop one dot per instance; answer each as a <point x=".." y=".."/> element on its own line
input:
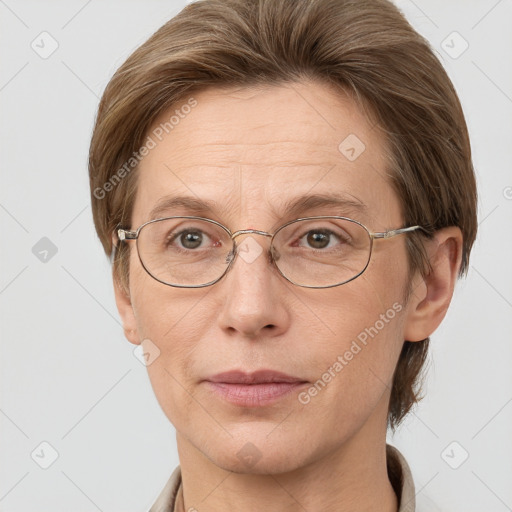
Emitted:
<point x="394" y="232"/>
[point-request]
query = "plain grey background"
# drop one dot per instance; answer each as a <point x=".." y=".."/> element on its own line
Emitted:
<point x="68" y="376"/>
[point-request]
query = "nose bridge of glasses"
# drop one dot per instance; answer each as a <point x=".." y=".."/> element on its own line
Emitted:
<point x="251" y="231"/>
<point x="249" y="247"/>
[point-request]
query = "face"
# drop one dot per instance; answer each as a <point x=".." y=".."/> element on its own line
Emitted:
<point x="249" y="151"/>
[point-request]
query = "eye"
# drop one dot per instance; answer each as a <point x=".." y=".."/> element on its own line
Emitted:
<point x="190" y="239"/>
<point x="322" y="239"/>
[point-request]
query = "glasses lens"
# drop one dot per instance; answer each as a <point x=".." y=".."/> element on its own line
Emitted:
<point x="317" y="252"/>
<point x="322" y="252"/>
<point x="184" y="252"/>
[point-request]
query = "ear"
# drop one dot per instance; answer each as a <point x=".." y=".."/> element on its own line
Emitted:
<point x="433" y="293"/>
<point x="124" y="305"/>
<point x="123" y="302"/>
<point x="125" y="308"/>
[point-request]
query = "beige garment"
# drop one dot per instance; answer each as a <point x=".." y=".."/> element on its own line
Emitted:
<point x="171" y="498"/>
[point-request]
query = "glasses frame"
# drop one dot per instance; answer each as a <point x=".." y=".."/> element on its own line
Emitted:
<point x="125" y="235"/>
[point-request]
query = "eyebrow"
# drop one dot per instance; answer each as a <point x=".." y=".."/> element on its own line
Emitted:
<point x="340" y="205"/>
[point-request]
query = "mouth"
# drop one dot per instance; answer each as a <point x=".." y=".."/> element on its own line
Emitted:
<point x="256" y="389"/>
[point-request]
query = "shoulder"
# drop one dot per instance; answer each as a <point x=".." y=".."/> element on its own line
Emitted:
<point x="401" y="479"/>
<point x="400" y="476"/>
<point x="167" y="497"/>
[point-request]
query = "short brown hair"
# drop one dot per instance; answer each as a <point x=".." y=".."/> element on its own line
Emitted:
<point x="364" y="47"/>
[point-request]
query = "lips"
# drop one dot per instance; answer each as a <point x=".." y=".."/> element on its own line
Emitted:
<point x="257" y="377"/>
<point x="256" y="389"/>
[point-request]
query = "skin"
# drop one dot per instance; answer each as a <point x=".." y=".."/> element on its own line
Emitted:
<point x="250" y="149"/>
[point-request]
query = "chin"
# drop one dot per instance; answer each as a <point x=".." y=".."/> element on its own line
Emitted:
<point x="257" y="452"/>
<point x="262" y="463"/>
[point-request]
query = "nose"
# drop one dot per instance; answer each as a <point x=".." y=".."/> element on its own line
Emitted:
<point x="255" y="293"/>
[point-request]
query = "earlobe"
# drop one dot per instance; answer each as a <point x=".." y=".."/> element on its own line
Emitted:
<point x="430" y="299"/>
<point x="125" y="308"/>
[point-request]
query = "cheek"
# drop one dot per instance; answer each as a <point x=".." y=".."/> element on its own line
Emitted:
<point x="159" y="309"/>
<point x="355" y="362"/>
<point x="174" y="321"/>
<point x="174" y="328"/>
<point x="369" y="352"/>
<point x="354" y="377"/>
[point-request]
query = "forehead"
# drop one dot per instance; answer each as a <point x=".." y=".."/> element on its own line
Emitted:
<point x="252" y="152"/>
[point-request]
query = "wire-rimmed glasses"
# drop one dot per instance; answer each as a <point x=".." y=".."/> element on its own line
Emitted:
<point x="311" y="252"/>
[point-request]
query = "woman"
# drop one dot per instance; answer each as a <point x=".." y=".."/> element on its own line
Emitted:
<point x="287" y="192"/>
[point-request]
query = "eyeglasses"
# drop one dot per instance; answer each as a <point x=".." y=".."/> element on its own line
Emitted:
<point x="312" y="252"/>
